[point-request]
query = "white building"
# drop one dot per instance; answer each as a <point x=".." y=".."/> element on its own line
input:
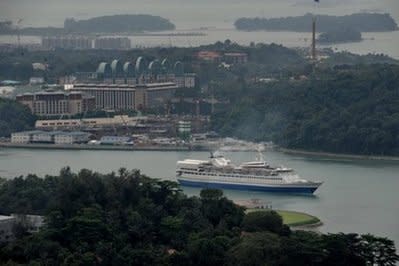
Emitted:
<point x="24" y="137"/>
<point x="184" y="127"/>
<point x="45" y="137"/>
<point x="71" y="137"/>
<point x="6" y="226"/>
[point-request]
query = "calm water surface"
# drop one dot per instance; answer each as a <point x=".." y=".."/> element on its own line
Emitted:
<point x="357" y="195"/>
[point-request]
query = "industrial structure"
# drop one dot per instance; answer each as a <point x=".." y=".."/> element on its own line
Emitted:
<point x="139" y="71"/>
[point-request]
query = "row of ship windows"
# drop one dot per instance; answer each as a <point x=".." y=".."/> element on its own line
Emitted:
<point x="223" y="175"/>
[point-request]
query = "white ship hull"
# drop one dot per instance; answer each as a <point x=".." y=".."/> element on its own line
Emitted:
<point x="244" y="183"/>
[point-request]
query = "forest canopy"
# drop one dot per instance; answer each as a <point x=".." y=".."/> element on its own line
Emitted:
<point x="345" y="109"/>
<point x="127" y="218"/>
<point x="14" y="117"/>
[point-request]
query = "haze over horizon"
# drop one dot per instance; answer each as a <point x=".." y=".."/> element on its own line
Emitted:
<point x="185" y="14"/>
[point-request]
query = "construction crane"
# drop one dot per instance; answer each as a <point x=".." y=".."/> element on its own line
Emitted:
<point x="314" y="32"/>
<point x="18" y="28"/>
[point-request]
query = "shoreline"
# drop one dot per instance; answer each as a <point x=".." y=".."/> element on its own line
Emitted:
<point x="337" y="155"/>
<point x="94" y="147"/>
<point x="305" y="221"/>
<point x="185" y="148"/>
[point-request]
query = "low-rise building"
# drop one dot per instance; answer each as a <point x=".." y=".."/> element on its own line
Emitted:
<point x="45" y="137"/>
<point x="24" y="136"/>
<point x="71" y="137"/>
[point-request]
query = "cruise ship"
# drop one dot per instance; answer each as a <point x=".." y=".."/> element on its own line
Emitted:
<point x="219" y="172"/>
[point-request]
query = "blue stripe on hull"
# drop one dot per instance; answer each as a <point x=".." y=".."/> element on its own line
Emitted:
<point x="248" y="187"/>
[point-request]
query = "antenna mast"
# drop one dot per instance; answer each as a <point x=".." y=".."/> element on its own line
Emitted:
<point x="314" y="33"/>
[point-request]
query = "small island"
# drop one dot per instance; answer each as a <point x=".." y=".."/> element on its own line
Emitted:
<point x="363" y="22"/>
<point x="341" y="35"/>
<point x="119" y="24"/>
<point x="105" y="24"/>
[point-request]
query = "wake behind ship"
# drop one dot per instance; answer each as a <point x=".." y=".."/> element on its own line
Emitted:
<point x="219" y="172"/>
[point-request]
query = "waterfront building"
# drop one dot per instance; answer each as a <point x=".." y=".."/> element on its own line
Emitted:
<point x="57" y="137"/>
<point x="45" y="137"/>
<point x="128" y="97"/>
<point x="71" y="137"/>
<point x="56" y="103"/>
<point x="24" y="137"/>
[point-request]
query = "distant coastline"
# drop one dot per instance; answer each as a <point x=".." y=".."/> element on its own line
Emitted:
<point x="337" y="155"/>
<point x="363" y="22"/>
<point x="114" y="24"/>
<point x="185" y="148"/>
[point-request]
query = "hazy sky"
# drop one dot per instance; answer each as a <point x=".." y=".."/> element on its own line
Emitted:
<point x="184" y="13"/>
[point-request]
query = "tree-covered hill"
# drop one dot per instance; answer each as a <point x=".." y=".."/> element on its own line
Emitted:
<point x="363" y="22"/>
<point x="118" y="23"/>
<point x="14" y="117"/>
<point x="126" y="218"/>
<point x="340" y="36"/>
<point x="347" y="109"/>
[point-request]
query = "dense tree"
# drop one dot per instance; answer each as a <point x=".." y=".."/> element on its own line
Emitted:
<point x="350" y="110"/>
<point x="126" y="218"/>
<point x="263" y="221"/>
<point x="14" y="117"/>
